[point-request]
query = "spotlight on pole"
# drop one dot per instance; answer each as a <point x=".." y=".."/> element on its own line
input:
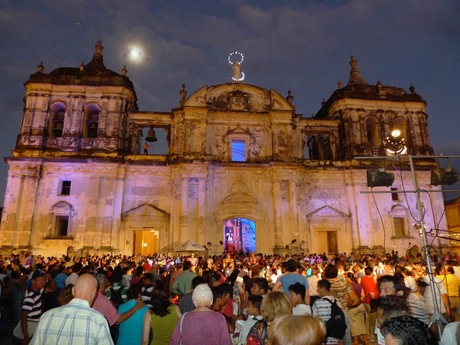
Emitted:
<point x="380" y="178"/>
<point x="443" y="176"/>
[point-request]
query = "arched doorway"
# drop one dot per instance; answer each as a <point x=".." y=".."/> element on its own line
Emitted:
<point x="239" y="235"/>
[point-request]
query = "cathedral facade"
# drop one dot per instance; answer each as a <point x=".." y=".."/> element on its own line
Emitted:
<point x="242" y="171"/>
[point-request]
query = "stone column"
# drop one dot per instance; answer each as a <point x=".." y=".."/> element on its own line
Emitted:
<point x="201" y="221"/>
<point x="119" y="241"/>
<point x="278" y="214"/>
<point x="102" y="226"/>
<point x="11" y="210"/>
<point x="172" y="235"/>
<point x="26" y="208"/>
<point x="184" y="216"/>
<point x="92" y="239"/>
<point x="293" y="211"/>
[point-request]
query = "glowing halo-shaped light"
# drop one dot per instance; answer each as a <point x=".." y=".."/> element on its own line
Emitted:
<point x="395" y="143"/>
<point x="231" y="55"/>
<point x="239" y="79"/>
<point x="395" y="133"/>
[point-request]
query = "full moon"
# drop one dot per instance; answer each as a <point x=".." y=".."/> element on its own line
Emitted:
<point x="135" y="54"/>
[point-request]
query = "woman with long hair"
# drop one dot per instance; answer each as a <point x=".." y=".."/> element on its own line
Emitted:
<point x="357" y="312"/>
<point x="161" y="318"/>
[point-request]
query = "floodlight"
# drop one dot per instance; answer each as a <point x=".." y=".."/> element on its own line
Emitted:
<point x="443" y="177"/>
<point x="380" y="178"/>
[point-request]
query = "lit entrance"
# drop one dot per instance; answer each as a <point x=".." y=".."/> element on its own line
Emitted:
<point x="326" y="242"/>
<point x="146" y="242"/>
<point x="239" y="235"/>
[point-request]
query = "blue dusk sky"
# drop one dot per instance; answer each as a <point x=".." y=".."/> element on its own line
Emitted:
<point x="302" y="46"/>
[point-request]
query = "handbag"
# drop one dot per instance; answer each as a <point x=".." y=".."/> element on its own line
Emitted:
<point x="180" y="328"/>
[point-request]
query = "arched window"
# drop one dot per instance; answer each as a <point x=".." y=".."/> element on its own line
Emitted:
<point x="399" y="215"/>
<point x="319" y="147"/>
<point x="373" y="132"/>
<point x="56" y="120"/>
<point x="313" y="147"/>
<point x="324" y="147"/>
<point x="61" y="212"/>
<point x="401" y="124"/>
<point x="91" y="121"/>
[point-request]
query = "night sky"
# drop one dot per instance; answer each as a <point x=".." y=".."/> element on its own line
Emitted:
<point x="302" y="46"/>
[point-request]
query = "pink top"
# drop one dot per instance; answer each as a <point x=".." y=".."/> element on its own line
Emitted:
<point x="106" y="308"/>
<point x="202" y="327"/>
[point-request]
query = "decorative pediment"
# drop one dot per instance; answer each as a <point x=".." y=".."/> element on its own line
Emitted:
<point x="399" y="211"/>
<point x="327" y="211"/>
<point x="237" y="97"/>
<point x="238" y="130"/>
<point x="398" y="208"/>
<point x="145" y="210"/>
<point x="240" y="198"/>
<point x="61" y="207"/>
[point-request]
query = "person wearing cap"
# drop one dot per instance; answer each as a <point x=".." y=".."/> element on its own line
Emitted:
<point x="32" y="305"/>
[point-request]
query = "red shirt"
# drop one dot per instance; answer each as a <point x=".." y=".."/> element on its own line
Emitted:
<point x="146" y="266"/>
<point x="369" y="285"/>
<point x="228" y="309"/>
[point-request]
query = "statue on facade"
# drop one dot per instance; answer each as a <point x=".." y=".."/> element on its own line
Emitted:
<point x="237" y="74"/>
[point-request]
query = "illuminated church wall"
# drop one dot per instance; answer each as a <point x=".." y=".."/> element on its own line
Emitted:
<point x="79" y="181"/>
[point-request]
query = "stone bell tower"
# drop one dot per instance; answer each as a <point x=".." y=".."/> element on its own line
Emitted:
<point x="81" y="110"/>
<point x="368" y="113"/>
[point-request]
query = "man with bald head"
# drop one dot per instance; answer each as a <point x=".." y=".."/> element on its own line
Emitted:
<point x="75" y="322"/>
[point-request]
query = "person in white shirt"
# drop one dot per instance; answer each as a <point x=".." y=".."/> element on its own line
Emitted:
<point x="254" y="303"/>
<point x="313" y="283"/>
<point x="441" y="296"/>
<point x="297" y="297"/>
<point x="72" y="278"/>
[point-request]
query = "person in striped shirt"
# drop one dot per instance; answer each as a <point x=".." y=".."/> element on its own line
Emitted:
<point x="32" y="305"/>
<point x="322" y="308"/>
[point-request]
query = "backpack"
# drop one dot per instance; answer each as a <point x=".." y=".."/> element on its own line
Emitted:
<point x="256" y="338"/>
<point x="336" y="326"/>
<point x="116" y="297"/>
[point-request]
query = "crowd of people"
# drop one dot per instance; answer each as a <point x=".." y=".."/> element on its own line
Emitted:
<point x="233" y="298"/>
